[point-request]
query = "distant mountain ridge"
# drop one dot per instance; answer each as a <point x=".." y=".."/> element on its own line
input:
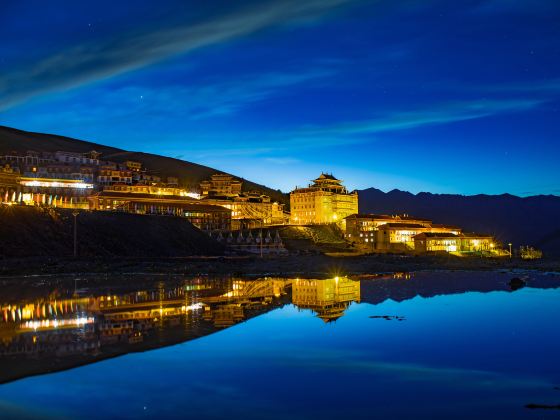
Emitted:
<point x="190" y="174"/>
<point x="531" y="220"/>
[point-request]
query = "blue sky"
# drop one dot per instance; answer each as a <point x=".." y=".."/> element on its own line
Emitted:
<point x="459" y="97"/>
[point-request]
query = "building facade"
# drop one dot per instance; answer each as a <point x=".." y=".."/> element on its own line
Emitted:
<point x="325" y="201"/>
<point x="475" y="242"/>
<point x="221" y="185"/>
<point x="203" y="216"/>
<point x="437" y="242"/>
<point x="250" y="211"/>
<point x="380" y="232"/>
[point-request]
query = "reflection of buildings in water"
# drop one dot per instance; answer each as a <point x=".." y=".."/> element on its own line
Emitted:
<point x="243" y="299"/>
<point x="77" y="326"/>
<point x="327" y="298"/>
<point x="67" y="330"/>
<point x="224" y="316"/>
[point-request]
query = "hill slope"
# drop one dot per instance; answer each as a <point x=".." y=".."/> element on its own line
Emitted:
<point x="520" y="220"/>
<point x="190" y="174"/>
<point x="33" y="231"/>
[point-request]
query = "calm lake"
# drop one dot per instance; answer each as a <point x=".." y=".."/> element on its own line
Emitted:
<point x="437" y="345"/>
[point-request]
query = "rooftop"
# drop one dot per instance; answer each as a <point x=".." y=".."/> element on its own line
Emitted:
<point x="385" y="217"/>
<point x="330" y="177"/>
<point x="476" y="235"/>
<point x="401" y="225"/>
<point x="436" y="235"/>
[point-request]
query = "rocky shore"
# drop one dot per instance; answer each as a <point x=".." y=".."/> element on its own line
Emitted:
<point x="298" y="265"/>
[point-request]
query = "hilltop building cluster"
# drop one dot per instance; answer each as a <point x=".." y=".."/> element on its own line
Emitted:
<point x="84" y="181"/>
<point x="220" y="204"/>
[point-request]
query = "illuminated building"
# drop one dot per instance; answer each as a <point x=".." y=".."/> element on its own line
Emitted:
<point x="57" y="185"/>
<point x="325" y="201"/>
<point x="363" y="228"/>
<point x="69" y="193"/>
<point x="133" y="166"/>
<point x="432" y="242"/>
<point x="153" y="189"/>
<point x="62" y="171"/>
<point x="327" y="298"/>
<point x="250" y="210"/>
<point x="9" y="184"/>
<point x="221" y="185"/>
<point x="450" y="242"/>
<point x="474" y="242"/>
<point x="379" y="232"/>
<point x="203" y="216"/>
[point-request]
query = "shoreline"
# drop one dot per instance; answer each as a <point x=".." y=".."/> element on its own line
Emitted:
<point x="250" y="266"/>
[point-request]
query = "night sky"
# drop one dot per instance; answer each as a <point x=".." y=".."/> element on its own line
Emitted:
<point x="442" y="96"/>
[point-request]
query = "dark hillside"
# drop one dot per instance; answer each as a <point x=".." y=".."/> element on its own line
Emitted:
<point x="521" y="220"/>
<point x="33" y="231"/>
<point x="190" y="174"/>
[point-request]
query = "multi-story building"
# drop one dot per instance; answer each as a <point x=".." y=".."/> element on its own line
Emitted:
<point x="250" y="210"/>
<point x="156" y="190"/>
<point x="453" y="242"/>
<point x="380" y="232"/>
<point x="71" y="193"/>
<point x="223" y="185"/>
<point x="133" y="166"/>
<point x="364" y="227"/>
<point x="202" y="215"/>
<point x="145" y="178"/>
<point x="18" y="160"/>
<point x="475" y="242"/>
<point x="434" y="242"/>
<point x="324" y="201"/>
<point x="91" y="158"/>
<point x="109" y="175"/>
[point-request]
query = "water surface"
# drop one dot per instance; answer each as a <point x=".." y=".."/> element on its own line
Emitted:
<point x="421" y="345"/>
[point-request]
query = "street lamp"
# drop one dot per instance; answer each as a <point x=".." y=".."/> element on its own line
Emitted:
<point x="509" y="249"/>
<point x="75" y="214"/>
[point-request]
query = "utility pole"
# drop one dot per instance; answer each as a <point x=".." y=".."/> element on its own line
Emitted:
<point x="261" y="240"/>
<point x="75" y="214"/>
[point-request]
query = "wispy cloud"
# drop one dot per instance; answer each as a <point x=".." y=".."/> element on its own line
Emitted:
<point x="550" y="87"/>
<point x="443" y="114"/>
<point x="282" y="160"/>
<point x="185" y="102"/>
<point x="90" y="62"/>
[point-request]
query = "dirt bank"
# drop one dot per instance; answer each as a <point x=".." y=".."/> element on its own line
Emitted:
<point x="36" y="232"/>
